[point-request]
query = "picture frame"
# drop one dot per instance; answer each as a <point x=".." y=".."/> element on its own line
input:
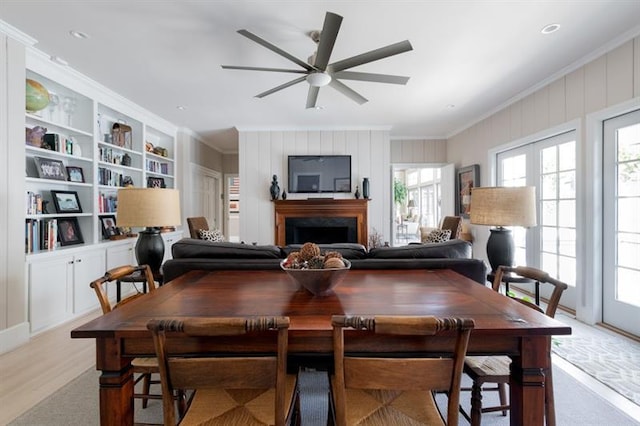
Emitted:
<point x="466" y="179"/>
<point x="155" y="182"/>
<point x="69" y="231"/>
<point x="108" y="225"/>
<point x="49" y="168"/>
<point x="66" y="201"/>
<point x="75" y="174"/>
<point x="342" y="184"/>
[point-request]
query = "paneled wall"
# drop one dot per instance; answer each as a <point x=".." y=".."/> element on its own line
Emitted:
<point x="607" y="81"/>
<point x="13" y="305"/>
<point x="406" y="151"/>
<point x="263" y="154"/>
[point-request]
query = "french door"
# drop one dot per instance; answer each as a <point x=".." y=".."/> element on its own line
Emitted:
<point x="621" y="226"/>
<point x="550" y="166"/>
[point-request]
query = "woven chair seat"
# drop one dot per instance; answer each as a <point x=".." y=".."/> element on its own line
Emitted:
<point x="493" y="366"/>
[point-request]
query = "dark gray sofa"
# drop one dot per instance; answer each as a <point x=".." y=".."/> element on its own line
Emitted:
<point x="193" y="254"/>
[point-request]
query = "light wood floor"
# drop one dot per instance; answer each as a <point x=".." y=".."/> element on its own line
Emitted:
<point x="47" y="362"/>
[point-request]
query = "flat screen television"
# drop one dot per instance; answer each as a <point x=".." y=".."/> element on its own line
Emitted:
<point x="319" y="173"/>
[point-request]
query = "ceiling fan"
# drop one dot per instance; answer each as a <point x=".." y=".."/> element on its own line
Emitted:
<point x="318" y="72"/>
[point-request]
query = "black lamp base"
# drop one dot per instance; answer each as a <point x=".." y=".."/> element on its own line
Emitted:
<point x="150" y="249"/>
<point x="500" y="248"/>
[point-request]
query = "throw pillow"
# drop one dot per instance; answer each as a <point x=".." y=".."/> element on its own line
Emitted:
<point x="438" y="236"/>
<point x="211" y="235"/>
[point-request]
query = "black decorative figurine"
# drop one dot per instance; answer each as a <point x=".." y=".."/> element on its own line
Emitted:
<point x="357" y="194"/>
<point x="275" y="188"/>
<point x="284" y="194"/>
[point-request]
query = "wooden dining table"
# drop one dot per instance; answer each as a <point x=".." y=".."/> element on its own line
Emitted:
<point x="502" y="326"/>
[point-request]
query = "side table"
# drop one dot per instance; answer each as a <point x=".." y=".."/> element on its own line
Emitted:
<point x="137" y="277"/>
<point x="510" y="278"/>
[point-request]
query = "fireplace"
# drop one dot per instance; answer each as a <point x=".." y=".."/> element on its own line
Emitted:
<point x="321" y="230"/>
<point x="321" y="221"/>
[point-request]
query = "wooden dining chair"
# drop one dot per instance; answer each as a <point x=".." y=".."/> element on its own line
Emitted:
<point x="228" y="390"/>
<point x="373" y="389"/>
<point x="143" y="366"/>
<point x="495" y="369"/>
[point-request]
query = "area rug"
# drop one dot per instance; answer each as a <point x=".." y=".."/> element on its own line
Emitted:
<point x="613" y="362"/>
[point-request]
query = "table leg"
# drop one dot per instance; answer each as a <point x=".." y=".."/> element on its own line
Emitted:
<point x="116" y="384"/>
<point x="527" y="382"/>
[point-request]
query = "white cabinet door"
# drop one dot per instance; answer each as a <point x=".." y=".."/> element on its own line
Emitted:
<point x="123" y="254"/>
<point x="50" y="291"/>
<point x="86" y="267"/>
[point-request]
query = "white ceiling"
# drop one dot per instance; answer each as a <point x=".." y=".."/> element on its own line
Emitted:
<point x="474" y="55"/>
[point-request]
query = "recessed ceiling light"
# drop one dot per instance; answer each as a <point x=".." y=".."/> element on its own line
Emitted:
<point x="58" y="60"/>
<point x="79" y="34"/>
<point x="181" y="107"/>
<point x="319" y="107"/>
<point x="551" y="28"/>
<point x="451" y="106"/>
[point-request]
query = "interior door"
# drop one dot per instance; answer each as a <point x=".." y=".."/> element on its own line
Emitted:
<point x="621" y="227"/>
<point x="206" y="190"/>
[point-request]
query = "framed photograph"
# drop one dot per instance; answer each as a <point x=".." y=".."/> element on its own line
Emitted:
<point x="155" y="182"/>
<point x="49" y="168"/>
<point x="466" y="178"/>
<point x="234" y="206"/>
<point x="342" y="185"/>
<point x="69" y="231"/>
<point x="66" y="201"/>
<point x="108" y="224"/>
<point x="75" y="174"/>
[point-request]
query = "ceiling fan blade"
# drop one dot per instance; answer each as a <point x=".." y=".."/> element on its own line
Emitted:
<point x="328" y="38"/>
<point x="312" y="97"/>
<point x="376" y="78"/>
<point x="282" y="86"/>
<point x="373" y="55"/>
<point x="348" y="92"/>
<point x="235" y="67"/>
<point x="275" y="49"/>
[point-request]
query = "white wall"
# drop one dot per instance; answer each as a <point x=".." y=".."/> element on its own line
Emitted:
<point x="263" y="154"/>
<point x="408" y="151"/>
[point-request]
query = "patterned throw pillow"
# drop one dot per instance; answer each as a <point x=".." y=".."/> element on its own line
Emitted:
<point x="211" y="235"/>
<point x="438" y="236"/>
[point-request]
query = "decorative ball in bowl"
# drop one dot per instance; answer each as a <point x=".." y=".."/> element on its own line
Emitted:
<point x="317" y="273"/>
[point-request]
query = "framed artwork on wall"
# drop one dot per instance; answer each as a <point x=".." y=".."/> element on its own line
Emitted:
<point x="466" y="178"/>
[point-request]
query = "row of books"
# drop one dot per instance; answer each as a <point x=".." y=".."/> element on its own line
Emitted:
<point x="33" y="203"/>
<point x="112" y="178"/>
<point x="157" y="167"/>
<point x="40" y="234"/>
<point x="112" y="156"/>
<point x="107" y="203"/>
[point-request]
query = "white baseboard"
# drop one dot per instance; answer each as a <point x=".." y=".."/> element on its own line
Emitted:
<point x="13" y="337"/>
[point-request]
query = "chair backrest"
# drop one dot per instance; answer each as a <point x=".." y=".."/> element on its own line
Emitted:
<point x="536" y="275"/>
<point x="116" y="274"/>
<point x="454" y="224"/>
<point x="442" y="371"/>
<point x="195" y="224"/>
<point x="203" y="371"/>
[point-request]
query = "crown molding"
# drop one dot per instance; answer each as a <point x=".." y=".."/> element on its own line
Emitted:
<point x="16" y="34"/>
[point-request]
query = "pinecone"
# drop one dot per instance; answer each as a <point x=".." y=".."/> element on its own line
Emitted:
<point x="308" y="251"/>
<point x="331" y="254"/>
<point x="293" y="260"/>
<point x="316" y="262"/>
<point x="333" y="262"/>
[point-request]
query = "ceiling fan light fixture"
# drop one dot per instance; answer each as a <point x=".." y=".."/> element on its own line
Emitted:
<point x="318" y="79"/>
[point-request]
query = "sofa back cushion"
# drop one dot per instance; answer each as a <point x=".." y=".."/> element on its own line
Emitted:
<point x="347" y="250"/>
<point x="192" y="248"/>
<point x="452" y="249"/>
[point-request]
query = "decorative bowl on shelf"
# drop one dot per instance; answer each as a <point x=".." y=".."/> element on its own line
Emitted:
<point x="318" y="281"/>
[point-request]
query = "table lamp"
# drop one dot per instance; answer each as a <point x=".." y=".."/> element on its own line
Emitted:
<point x="500" y="207"/>
<point x="410" y="206"/>
<point x="150" y="208"/>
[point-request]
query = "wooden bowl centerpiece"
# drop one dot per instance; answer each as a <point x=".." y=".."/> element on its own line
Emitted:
<point x="316" y="272"/>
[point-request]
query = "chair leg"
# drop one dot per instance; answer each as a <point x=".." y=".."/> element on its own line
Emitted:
<point x="502" y="392"/>
<point x="146" y="385"/>
<point x="476" y="403"/>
